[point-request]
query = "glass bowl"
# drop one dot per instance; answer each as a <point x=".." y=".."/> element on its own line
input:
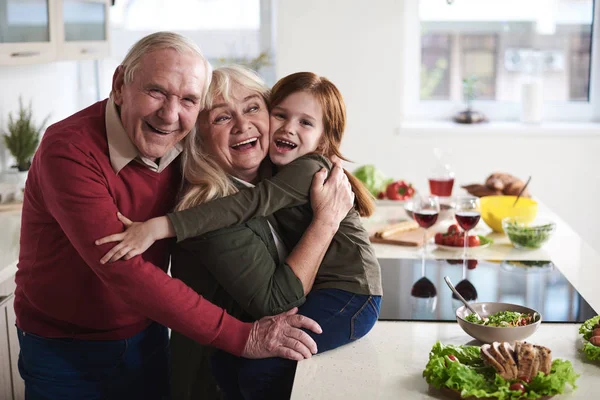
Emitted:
<point x="524" y="234"/>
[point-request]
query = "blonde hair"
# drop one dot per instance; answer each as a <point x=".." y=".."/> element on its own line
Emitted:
<point x="160" y="41"/>
<point x="204" y="179"/>
<point x="334" y="124"/>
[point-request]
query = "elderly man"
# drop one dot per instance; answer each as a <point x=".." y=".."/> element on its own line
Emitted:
<point x="94" y="331"/>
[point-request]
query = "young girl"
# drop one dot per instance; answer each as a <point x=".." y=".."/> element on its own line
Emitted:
<point x="306" y="127"/>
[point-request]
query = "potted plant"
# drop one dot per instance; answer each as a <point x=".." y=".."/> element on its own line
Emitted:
<point x="22" y="140"/>
<point x="469" y="116"/>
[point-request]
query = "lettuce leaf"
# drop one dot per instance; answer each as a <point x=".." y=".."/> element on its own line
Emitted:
<point x="591" y="352"/>
<point x="588" y="326"/>
<point x="373" y="178"/>
<point x="471" y="377"/>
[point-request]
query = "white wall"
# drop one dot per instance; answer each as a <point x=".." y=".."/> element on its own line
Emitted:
<point x="51" y="88"/>
<point x="359" y="47"/>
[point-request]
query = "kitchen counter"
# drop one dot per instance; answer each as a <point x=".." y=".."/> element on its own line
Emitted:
<point x="388" y="363"/>
<point x="10" y="227"/>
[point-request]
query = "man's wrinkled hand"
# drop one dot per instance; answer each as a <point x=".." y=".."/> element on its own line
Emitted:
<point x="281" y="336"/>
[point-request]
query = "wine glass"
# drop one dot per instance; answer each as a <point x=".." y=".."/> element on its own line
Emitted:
<point x="425" y="211"/>
<point x="468" y="213"/>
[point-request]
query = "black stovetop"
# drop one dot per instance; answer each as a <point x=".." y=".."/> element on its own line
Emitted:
<point x="535" y="284"/>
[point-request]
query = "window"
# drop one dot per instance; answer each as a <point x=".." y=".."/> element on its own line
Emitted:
<point x="500" y="45"/>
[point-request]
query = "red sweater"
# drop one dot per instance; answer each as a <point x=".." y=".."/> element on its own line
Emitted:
<point x="71" y="199"/>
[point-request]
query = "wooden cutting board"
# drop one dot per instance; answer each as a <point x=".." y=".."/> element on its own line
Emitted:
<point x="11" y="206"/>
<point x="412" y="238"/>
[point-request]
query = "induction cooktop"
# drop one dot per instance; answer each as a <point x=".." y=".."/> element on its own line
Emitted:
<point x="414" y="294"/>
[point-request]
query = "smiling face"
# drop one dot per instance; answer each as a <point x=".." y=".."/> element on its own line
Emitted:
<point x="236" y="134"/>
<point x="160" y="106"/>
<point x="296" y="127"/>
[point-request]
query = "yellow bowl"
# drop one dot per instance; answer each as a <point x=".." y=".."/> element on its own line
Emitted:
<point x="495" y="208"/>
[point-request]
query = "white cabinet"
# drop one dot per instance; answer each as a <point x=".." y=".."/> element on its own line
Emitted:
<point x="27" y="33"/>
<point x="37" y="31"/>
<point x="11" y="384"/>
<point x="83" y="29"/>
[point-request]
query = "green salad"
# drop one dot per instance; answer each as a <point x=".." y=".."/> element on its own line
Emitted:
<point x="460" y="368"/>
<point x="528" y="237"/>
<point x="503" y="319"/>
<point x="592" y="352"/>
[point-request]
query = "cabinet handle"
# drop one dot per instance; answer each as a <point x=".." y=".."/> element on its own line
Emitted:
<point x="25" y="54"/>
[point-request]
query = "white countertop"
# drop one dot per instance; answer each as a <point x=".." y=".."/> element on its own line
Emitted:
<point x="389" y="361"/>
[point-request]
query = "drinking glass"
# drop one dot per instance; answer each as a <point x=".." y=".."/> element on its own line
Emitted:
<point x="467" y="213"/>
<point x="425" y="211"/>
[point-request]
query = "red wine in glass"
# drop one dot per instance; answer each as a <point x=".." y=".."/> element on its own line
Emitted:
<point x="467" y="219"/>
<point x="426" y="218"/>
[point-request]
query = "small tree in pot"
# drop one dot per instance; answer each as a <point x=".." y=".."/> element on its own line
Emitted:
<point x="24" y="137"/>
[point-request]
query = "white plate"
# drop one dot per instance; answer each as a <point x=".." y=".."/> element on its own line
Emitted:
<point x="454" y="248"/>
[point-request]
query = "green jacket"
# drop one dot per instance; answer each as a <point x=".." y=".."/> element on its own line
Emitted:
<point x="350" y="263"/>
<point x="237" y="269"/>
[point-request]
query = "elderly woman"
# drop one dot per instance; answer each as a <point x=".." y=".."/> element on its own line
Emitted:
<point x="244" y="269"/>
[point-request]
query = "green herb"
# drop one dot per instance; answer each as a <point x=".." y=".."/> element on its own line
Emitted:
<point x="529" y="237"/>
<point x="503" y="319"/>
<point x="470" y="377"/>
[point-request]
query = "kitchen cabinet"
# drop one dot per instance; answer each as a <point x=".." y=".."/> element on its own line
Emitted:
<point x="11" y="384"/>
<point x="38" y="31"/>
<point x="27" y="33"/>
<point x="83" y="29"/>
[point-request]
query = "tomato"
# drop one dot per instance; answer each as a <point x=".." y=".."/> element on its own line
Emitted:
<point x="517" y="386"/>
<point x="471" y="264"/>
<point x="525" y="379"/>
<point x="473" y="241"/>
<point x="453" y="228"/>
<point x="447" y="240"/>
<point x="452" y="357"/>
<point x="438" y="238"/>
<point x="459" y="241"/>
<point x="381" y="195"/>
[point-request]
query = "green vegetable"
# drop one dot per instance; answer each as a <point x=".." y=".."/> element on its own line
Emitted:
<point x="528" y="237"/>
<point x="484" y="240"/>
<point x="592" y="352"/>
<point x="470" y="377"/>
<point x="502" y="319"/>
<point x="373" y="178"/>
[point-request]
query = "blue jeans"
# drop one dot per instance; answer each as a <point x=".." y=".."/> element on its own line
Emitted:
<point x="134" y="368"/>
<point x="344" y="317"/>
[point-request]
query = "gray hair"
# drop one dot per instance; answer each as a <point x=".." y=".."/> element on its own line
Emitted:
<point x="225" y="78"/>
<point x="159" y="41"/>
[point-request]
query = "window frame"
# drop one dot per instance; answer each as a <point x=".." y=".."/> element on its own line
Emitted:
<point x="414" y="109"/>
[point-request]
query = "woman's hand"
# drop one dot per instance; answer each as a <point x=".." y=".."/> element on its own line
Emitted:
<point x="281" y="336"/>
<point x="332" y="199"/>
<point x="137" y="237"/>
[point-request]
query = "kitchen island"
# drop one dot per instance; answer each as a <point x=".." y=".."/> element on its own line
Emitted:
<point x="388" y="363"/>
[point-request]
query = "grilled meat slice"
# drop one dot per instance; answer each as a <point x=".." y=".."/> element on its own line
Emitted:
<point x="488" y="358"/>
<point x="545" y="357"/>
<point x="525" y="358"/>
<point x="496" y="351"/>
<point x="510" y="363"/>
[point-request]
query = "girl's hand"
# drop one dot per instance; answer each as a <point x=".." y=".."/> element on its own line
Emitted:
<point x="137" y="238"/>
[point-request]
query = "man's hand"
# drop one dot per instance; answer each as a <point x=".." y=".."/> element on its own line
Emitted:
<point x="281" y="336"/>
<point x="332" y="199"/>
